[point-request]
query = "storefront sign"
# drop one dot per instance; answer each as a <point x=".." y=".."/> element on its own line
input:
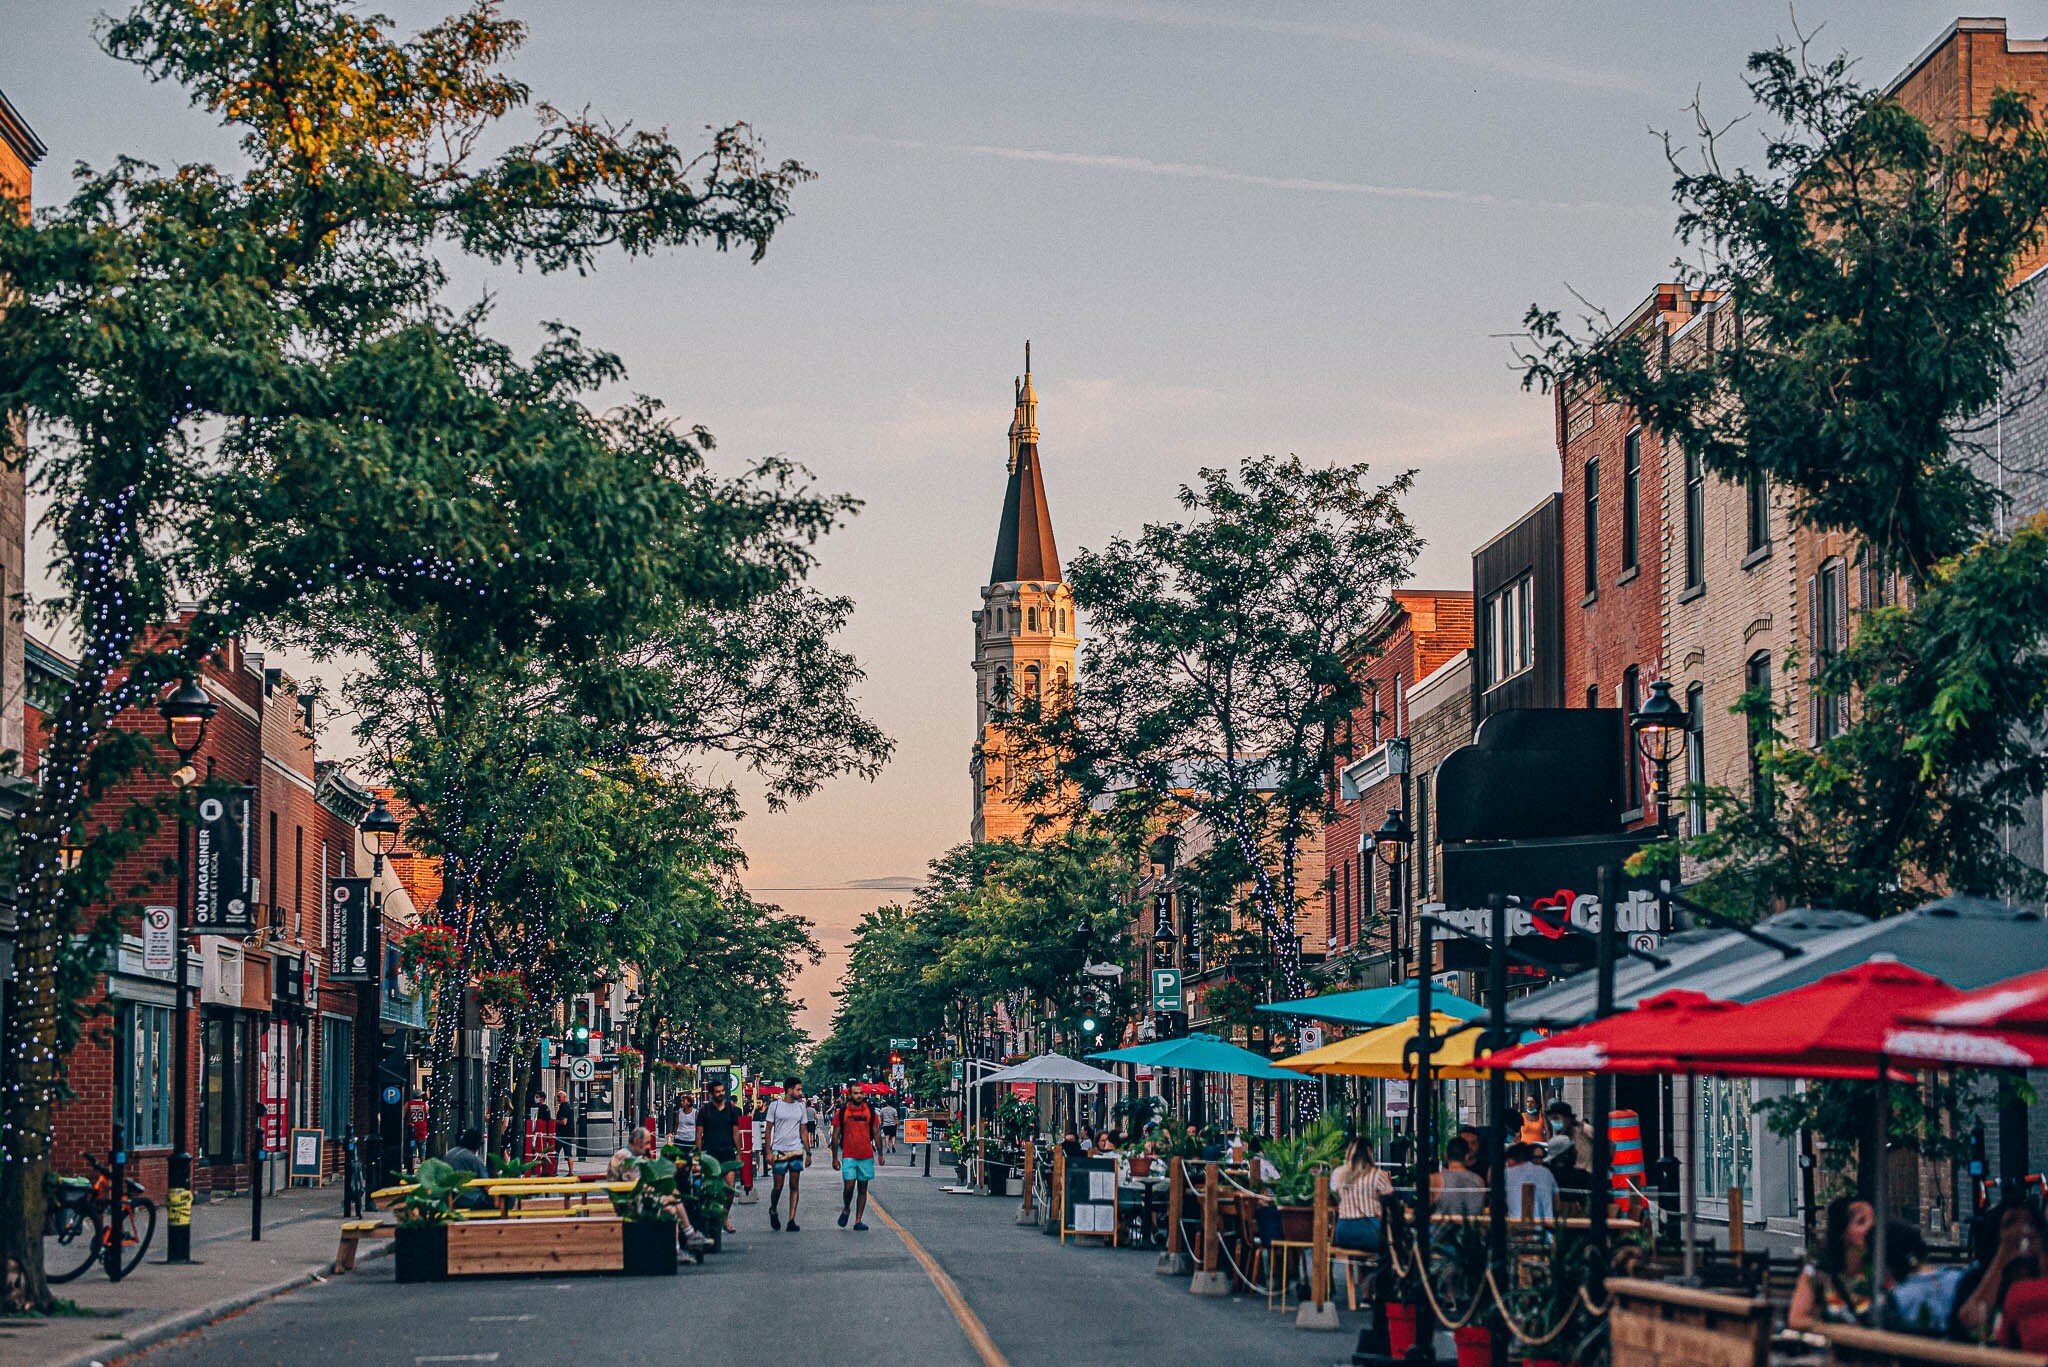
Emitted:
<point x="1636" y="915"/>
<point x="223" y="900"/>
<point x="306" y="1152"/>
<point x="158" y="955"/>
<point x="355" y="951"/>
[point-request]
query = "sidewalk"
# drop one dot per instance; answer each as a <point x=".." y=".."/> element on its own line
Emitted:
<point x="157" y="1302"/>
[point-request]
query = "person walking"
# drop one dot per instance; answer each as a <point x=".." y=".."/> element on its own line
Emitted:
<point x="790" y="1134"/>
<point x="565" y="1132"/>
<point x="853" y="1152"/>
<point x="686" y="1123"/>
<point x="718" y="1122"/>
<point x="889" y="1118"/>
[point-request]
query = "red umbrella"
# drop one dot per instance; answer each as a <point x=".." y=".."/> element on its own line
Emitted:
<point x="1642" y="1040"/>
<point x="2016" y="1004"/>
<point x="1841" y="1021"/>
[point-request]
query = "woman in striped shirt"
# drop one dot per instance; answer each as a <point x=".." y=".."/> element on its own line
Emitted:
<point x="1360" y="1184"/>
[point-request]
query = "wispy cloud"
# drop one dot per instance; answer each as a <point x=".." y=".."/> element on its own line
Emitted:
<point x="1513" y="65"/>
<point x="1194" y="170"/>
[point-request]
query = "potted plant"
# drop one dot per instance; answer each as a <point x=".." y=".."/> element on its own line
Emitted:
<point x="1549" y="1297"/>
<point x="420" y="1243"/>
<point x="708" y="1198"/>
<point x="1297" y="1162"/>
<point x="1458" y="1260"/>
<point x="647" y="1216"/>
<point x="1014" y="1123"/>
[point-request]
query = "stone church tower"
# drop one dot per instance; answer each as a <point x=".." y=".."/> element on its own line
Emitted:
<point x="1025" y="632"/>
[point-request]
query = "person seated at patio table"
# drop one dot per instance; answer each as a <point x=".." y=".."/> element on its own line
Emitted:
<point x="1919" y="1298"/>
<point x="2010" y="1243"/>
<point x="1561" y="1156"/>
<point x="466" y="1156"/>
<point x="1254" y="1149"/>
<point x="1524" y="1173"/>
<point x="1834" y="1285"/>
<point x="1360" y="1185"/>
<point x="1455" y="1189"/>
<point x="1105" y="1142"/>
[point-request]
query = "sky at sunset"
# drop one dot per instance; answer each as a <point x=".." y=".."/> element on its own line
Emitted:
<point x="1226" y="227"/>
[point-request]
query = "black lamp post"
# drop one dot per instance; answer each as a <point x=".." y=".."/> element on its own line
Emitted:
<point x="1390" y="842"/>
<point x="379" y="833"/>
<point x="186" y="713"/>
<point x="1660" y="725"/>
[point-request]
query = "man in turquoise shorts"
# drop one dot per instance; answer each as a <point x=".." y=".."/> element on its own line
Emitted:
<point x="854" y="1126"/>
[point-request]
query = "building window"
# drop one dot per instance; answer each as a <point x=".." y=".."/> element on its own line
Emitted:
<point x="221" y="1089"/>
<point x="337" y="1075"/>
<point x="1631" y="763"/>
<point x="1874" y="584"/>
<point x="1422" y="845"/>
<point x="142" y="1073"/>
<point x="1031" y="615"/>
<point x="1593" y="525"/>
<point x="1756" y="679"/>
<point x="1510" y="628"/>
<point x="1759" y="518"/>
<point x="1695" y="759"/>
<point x="1030" y="681"/>
<point x="1827" y="607"/>
<point x="1002" y="686"/>
<point x="1727" y="1136"/>
<point x="1592" y="696"/>
<point x="1631" y="496"/>
<point x="1695" y="521"/>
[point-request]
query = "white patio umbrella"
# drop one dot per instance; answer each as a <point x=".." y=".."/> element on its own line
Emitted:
<point x="1050" y="1068"/>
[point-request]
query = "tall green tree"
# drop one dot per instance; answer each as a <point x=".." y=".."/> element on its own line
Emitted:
<point x="1865" y="279"/>
<point x="218" y="368"/>
<point x="1218" y="681"/>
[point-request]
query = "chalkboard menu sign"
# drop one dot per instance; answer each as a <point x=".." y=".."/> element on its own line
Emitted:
<point x="1088" y="1206"/>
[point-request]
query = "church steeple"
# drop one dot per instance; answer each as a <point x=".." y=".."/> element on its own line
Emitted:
<point x="1025" y="550"/>
<point x="1026" y="634"/>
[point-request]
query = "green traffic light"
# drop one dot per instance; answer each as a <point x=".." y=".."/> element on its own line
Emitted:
<point x="1088" y="1025"/>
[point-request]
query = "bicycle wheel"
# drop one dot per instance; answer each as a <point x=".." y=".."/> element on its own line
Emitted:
<point x="71" y="1241"/>
<point x="141" y="1228"/>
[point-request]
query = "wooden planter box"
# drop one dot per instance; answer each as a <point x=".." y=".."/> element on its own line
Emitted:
<point x="482" y="1248"/>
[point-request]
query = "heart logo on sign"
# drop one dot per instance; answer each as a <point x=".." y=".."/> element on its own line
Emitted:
<point x="1553" y="914"/>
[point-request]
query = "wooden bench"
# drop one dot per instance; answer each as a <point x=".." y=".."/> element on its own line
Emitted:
<point x="1653" y="1324"/>
<point x="558" y="1243"/>
<point x="1851" y="1344"/>
<point x="352" y="1232"/>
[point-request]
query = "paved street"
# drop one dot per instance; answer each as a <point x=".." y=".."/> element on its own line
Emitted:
<point x="1039" y="1303"/>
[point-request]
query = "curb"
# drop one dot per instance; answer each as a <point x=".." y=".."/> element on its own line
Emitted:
<point x="150" y="1335"/>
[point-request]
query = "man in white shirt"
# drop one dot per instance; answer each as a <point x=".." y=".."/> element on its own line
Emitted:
<point x="792" y="1131"/>
<point x="1524" y="1173"/>
<point x="889" y="1119"/>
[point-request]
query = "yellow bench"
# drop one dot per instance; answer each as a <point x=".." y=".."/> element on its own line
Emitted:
<point x="353" y="1231"/>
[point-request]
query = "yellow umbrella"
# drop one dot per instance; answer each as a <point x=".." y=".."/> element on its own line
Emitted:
<point x="1379" y="1053"/>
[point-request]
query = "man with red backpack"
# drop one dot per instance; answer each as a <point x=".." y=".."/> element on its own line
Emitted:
<point x="855" y="1126"/>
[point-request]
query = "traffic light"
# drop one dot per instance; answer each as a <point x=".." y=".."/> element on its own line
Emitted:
<point x="579" y="1039"/>
<point x="1088" y="1023"/>
<point x="895" y="1057"/>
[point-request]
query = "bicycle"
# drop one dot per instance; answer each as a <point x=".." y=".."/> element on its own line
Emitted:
<point x="75" y="1226"/>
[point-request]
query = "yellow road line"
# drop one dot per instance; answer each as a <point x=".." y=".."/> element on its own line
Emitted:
<point x="970" y="1323"/>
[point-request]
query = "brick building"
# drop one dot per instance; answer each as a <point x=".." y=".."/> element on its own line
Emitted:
<point x="274" y="1045"/>
<point x="1613" y="508"/>
<point x="1420" y="632"/>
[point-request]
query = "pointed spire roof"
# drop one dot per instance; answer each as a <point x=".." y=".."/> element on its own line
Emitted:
<point x="1024" y="545"/>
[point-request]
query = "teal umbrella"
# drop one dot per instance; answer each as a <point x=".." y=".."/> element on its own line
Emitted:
<point x="1374" y="1006"/>
<point x="1200" y="1053"/>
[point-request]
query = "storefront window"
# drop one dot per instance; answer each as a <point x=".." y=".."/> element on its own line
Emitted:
<point x="220" y="1089"/>
<point x="142" y="1070"/>
<point x="337" y="1063"/>
<point x="1727" y="1152"/>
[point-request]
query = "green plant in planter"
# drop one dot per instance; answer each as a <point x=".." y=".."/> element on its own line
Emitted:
<point x="1458" y="1257"/>
<point x="1299" y="1159"/>
<point x="710" y="1194"/>
<point x="653" y="1189"/>
<point x="435" y="1190"/>
<point x="1015" y="1122"/>
<point x="504" y="1165"/>
<point x="1550" y="1294"/>
<point x="1179" y="1141"/>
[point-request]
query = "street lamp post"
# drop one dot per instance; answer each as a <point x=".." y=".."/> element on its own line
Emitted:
<point x="186" y="713"/>
<point x="1390" y="842"/>
<point x="379" y="834"/>
<point x="1659" y="728"/>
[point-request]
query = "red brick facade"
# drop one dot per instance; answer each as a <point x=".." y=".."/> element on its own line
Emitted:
<point x="1420" y="631"/>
